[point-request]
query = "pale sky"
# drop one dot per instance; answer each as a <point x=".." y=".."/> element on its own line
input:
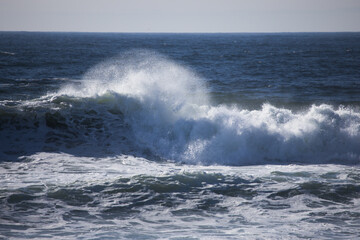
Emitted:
<point x="180" y="15"/>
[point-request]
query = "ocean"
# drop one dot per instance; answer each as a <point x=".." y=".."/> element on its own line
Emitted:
<point x="179" y="136"/>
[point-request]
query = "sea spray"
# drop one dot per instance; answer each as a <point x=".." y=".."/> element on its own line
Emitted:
<point x="144" y="75"/>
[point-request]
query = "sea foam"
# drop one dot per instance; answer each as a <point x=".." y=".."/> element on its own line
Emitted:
<point x="170" y="113"/>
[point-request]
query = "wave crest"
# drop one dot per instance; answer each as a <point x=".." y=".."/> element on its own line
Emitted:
<point x="146" y="76"/>
<point x="168" y="112"/>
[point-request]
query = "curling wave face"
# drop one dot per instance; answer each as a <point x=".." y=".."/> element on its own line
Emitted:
<point x="143" y="100"/>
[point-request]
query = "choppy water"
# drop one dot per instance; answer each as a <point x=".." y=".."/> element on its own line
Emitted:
<point x="179" y="136"/>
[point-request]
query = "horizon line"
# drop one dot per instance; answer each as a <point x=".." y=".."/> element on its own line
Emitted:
<point x="190" y="32"/>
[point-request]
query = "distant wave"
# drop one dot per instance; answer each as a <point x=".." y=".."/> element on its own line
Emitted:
<point x="162" y="108"/>
<point x="7" y="53"/>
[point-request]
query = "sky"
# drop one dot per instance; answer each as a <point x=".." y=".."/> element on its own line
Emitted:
<point x="180" y="15"/>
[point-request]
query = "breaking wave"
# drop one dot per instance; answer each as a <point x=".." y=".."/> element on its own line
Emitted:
<point x="163" y="109"/>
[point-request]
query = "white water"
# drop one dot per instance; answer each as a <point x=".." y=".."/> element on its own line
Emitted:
<point x="258" y="217"/>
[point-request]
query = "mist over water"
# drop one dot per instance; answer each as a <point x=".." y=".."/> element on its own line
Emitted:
<point x="179" y="136"/>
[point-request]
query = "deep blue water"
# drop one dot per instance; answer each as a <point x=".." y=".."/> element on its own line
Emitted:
<point x="167" y="136"/>
<point x="251" y="68"/>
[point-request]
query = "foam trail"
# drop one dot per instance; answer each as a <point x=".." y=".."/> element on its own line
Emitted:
<point x="169" y="112"/>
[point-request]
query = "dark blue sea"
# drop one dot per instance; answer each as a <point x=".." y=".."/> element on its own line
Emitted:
<point x="179" y="136"/>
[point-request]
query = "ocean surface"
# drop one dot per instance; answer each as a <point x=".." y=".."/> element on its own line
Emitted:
<point x="179" y="136"/>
